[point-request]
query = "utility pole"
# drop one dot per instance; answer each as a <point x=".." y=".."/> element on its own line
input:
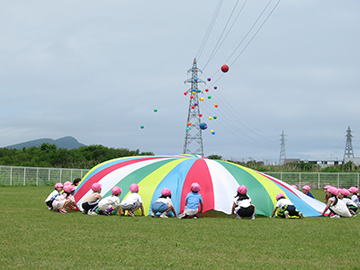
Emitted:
<point x="193" y="137"/>
<point x="282" y="149"/>
<point x="349" y="152"/>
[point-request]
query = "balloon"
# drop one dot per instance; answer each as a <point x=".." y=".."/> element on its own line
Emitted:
<point x="141" y="127"/>
<point x="191" y="97"/>
<point x="199" y="91"/>
<point x="194" y="90"/>
<point x="215" y="117"/>
<point x="206" y="90"/>
<point x="225" y="68"/>
<point x="218" y="179"/>
<point x="201" y="99"/>
<point x="213" y="133"/>
<point x="215" y="87"/>
<point x="195" y="80"/>
<point x="195" y="104"/>
<point x="189" y="124"/>
<point x="193" y="107"/>
<point x="200" y="114"/>
<point x="187" y="128"/>
<point x="185" y="93"/>
<point x="216" y="105"/>
<point x="203" y="126"/>
<point x="209" y="97"/>
<point x="209" y="79"/>
<point x="155" y="110"/>
<point x="210" y="117"/>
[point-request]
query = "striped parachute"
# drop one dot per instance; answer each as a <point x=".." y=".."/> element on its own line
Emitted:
<point x="218" y="180"/>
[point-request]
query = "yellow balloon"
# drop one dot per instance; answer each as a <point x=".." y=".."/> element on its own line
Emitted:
<point x="211" y="131"/>
<point x="210" y="117"/>
<point x="201" y="99"/>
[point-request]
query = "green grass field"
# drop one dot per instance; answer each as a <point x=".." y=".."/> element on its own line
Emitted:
<point x="33" y="237"/>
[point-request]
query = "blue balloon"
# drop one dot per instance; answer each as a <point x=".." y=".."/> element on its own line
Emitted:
<point x="195" y="80"/>
<point x="203" y="126"/>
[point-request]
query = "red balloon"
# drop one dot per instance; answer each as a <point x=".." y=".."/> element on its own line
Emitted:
<point x="185" y="93"/>
<point x="192" y="107"/>
<point x="191" y="97"/>
<point x="206" y="90"/>
<point x="200" y="115"/>
<point x="225" y="68"/>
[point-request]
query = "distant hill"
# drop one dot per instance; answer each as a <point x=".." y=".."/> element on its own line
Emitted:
<point x="67" y="142"/>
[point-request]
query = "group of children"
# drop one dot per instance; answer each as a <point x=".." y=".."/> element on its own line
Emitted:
<point x="337" y="201"/>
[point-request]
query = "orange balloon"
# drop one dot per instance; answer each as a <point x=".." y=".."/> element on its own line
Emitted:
<point x="216" y="105"/>
<point x="189" y="124"/>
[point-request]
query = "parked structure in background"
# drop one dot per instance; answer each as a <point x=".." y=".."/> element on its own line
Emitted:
<point x="282" y="149"/>
<point x="349" y="152"/>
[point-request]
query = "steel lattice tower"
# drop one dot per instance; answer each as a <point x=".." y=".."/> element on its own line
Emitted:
<point x="282" y="149"/>
<point x="349" y="152"/>
<point x="193" y="138"/>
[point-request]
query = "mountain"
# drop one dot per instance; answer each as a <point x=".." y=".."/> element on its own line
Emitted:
<point x="67" y="142"/>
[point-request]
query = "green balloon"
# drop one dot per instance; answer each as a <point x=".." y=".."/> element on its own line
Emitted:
<point x="155" y="110"/>
<point x="209" y="97"/>
<point x="141" y="127"/>
<point x="215" y="117"/>
<point x="187" y="128"/>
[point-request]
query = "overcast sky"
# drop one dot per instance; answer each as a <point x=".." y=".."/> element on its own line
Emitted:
<point x="96" y="70"/>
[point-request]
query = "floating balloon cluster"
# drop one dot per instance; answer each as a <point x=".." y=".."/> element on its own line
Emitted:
<point x="203" y="125"/>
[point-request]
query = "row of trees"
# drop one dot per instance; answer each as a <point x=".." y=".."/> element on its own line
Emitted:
<point x="86" y="157"/>
<point x="48" y="155"/>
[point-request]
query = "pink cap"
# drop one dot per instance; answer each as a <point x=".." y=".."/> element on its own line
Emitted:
<point x="327" y="187"/>
<point x="116" y="191"/>
<point x="195" y="187"/>
<point x="354" y="189"/>
<point x="67" y="183"/>
<point x="242" y="190"/>
<point x="69" y="188"/>
<point x="345" y="192"/>
<point x="279" y="195"/>
<point x="58" y="185"/>
<point x="134" y="188"/>
<point x="166" y="192"/>
<point x="333" y="190"/>
<point x="294" y="186"/>
<point x="306" y="187"/>
<point x="96" y="187"/>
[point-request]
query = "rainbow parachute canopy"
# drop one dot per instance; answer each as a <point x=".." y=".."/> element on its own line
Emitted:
<point x="218" y="179"/>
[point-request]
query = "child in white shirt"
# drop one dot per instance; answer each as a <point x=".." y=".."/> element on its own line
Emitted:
<point x="286" y="208"/>
<point x="57" y="192"/>
<point x="111" y="204"/>
<point x="133" y="201"/>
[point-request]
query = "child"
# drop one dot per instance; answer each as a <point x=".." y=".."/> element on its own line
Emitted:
<point x="133" y="201"/>
<point x="92" y="200"/>
<point x="286" y="208"/>
<point x="242" y="204"/>
<point x="163" y="204"/>
<point x="335" y="205"/>
<point x="64" y="200"/>
<point x="192" y="202"/>
<point x="306" y="190"/>
<point x="354" y="195"/>
<point x="351" y="205"/>
<point x="110" y="205"/>
<point x="57" y="192"/>
<point x="76" y="182"/>
<point x="326" y="195"/>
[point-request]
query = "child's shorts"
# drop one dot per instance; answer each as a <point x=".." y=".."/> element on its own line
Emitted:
<point x="291" y="209"/>
<point x="246" y="211"/>
<point x="159" y="207"/>
<point x="191" y="212"/>
<point x="130" y="207"/>
<point x="49" y="204"/>
<point x="90" y="206"/>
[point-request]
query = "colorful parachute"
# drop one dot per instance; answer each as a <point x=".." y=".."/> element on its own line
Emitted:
<point x="218" y="179"/>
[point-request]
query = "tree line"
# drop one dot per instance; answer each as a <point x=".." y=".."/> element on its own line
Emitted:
<point x="49" y="155"/>
<point x="86" y="157"/>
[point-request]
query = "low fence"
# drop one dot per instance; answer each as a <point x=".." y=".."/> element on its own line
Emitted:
<point x="30" y="176"/>
<point x="27" y="176"/>
<point x="317" y="180"/>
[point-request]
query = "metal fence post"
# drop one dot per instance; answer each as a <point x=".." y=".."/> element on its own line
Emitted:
<point x="300" y="180"/>
<point x="37" y="176"/>
<point x="338" y="180"/>
<point x="11" y="176"/>
<point x="60" y="176"/>
<point x="24" y="176"/>
<point x="318" y="180"/>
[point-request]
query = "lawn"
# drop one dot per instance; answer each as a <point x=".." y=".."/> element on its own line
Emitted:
<point x="32" y="237"/>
